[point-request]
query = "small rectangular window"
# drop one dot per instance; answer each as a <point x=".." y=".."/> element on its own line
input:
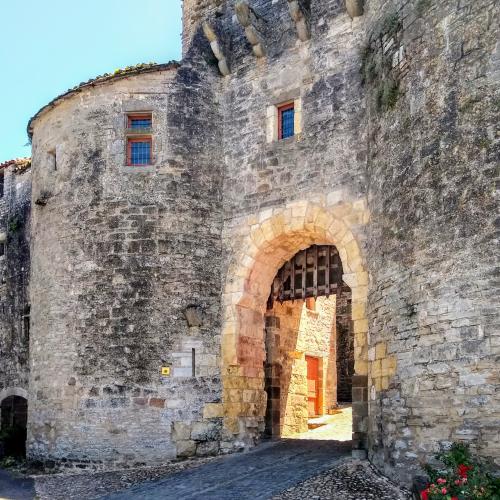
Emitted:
<point x="2" y="249"/>
<point x="1" y="184"/>
<point x="139" y="151"/>
<point x="136" y="122"/>
<point x="286" y="121"/>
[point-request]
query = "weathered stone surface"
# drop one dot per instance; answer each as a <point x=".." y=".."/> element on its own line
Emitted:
<point x="394" y="162"/>
<point x="15" y="235"/>
<point x="185" y="449"/>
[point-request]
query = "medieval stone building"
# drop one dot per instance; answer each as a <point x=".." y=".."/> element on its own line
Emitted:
<point x="338" y="150"/>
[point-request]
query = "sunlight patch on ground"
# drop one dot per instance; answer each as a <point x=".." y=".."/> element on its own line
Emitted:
<point x="336" y="427"/>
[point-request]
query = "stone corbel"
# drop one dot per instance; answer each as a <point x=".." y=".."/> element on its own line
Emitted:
<point x="301" y="18"/>
<point x="355" y="8"/>
<point x="253" y="27"/>
<point x="216" y="48"/>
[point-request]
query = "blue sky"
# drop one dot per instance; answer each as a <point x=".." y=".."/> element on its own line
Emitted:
<point x="49" y="46"/>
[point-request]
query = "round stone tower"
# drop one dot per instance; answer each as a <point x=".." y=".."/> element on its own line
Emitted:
<point x="125" y="306"/>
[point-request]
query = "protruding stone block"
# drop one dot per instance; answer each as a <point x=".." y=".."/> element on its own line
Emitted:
<point x="186" y="449"/>
<point x="216" y="47"/>
<point x="253" y="27"/>
<point x="301" y="18"/>
<point x="355" y="8"/>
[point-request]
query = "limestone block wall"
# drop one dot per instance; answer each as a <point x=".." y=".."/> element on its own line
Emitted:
<point x="125" y="276"/>
<point x="282" y="196"/>
<point x="14" y="279"/>
<point x="433" y="156"/>
<point x="304" y="332"/>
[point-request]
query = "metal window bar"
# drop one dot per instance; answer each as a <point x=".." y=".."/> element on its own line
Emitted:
<point x="140" y="153"/>
<point x="287" y="123"/>
<point x="140" y="123"/>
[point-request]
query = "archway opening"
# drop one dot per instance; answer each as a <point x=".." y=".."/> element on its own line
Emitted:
<point x="260" y="245"/>
<point x="309" y="349"/>
<point x="14" y="418"/>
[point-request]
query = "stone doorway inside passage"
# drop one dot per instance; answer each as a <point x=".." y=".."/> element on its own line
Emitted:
<point x="261" y="245"/>
<point x="309" y="349"/>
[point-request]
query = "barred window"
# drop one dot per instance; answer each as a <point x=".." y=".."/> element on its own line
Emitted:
<point x="286" y="121"/>
<point x="143" y="121"/>
<point x="139" y="151"/>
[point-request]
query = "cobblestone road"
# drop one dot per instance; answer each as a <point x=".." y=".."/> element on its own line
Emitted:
<point x="259" y="474"/>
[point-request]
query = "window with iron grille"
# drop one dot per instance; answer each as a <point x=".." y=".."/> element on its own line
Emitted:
<point x="286" y="121"/>
<point x="138" y="122"/>
<point x="139" y="151"/>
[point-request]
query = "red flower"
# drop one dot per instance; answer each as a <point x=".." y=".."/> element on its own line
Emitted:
<point x="444" y="491"/>
<point x="424" y="495"/>
<point x="463" y="470"/>
<point x="441" y="480"/>
<point x="454" y="498"/>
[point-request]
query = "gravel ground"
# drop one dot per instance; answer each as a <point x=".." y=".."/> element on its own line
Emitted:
<point x="92" y="485"/>
<point x="341" y="479"/>
<point x="349" y="480"/>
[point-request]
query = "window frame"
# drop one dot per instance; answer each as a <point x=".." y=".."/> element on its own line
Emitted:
<point x="130" y="141"/>
<point x="281" y="109"/>
<point x="139" y="116"/>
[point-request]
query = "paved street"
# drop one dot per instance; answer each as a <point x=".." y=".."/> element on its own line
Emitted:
<point x="259" y="474"/>
<point x="12" y="488"/>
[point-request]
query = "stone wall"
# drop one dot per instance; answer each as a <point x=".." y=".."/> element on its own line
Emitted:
<point x="14" y="278"/>
<point x="122" y="258"/>
<point x="432" y="163"/>
<point x="393" y="162"/>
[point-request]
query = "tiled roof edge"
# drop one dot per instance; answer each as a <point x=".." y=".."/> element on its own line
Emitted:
<point x="19" y="162"/>
<point x="107" y="77"/>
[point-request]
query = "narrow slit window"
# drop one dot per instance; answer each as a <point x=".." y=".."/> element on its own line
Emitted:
<point x="138" y="122"/>
<point x="2" y="249"/>
<point x="2" y="178"/>
<point x="286" y="121"/>
<point x="139" y="151"/>
<point x="53" y="159"/>
<point x="26" y="323"/>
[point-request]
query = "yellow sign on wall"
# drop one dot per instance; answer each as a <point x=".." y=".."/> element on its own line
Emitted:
<point x="165" y="371"/>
